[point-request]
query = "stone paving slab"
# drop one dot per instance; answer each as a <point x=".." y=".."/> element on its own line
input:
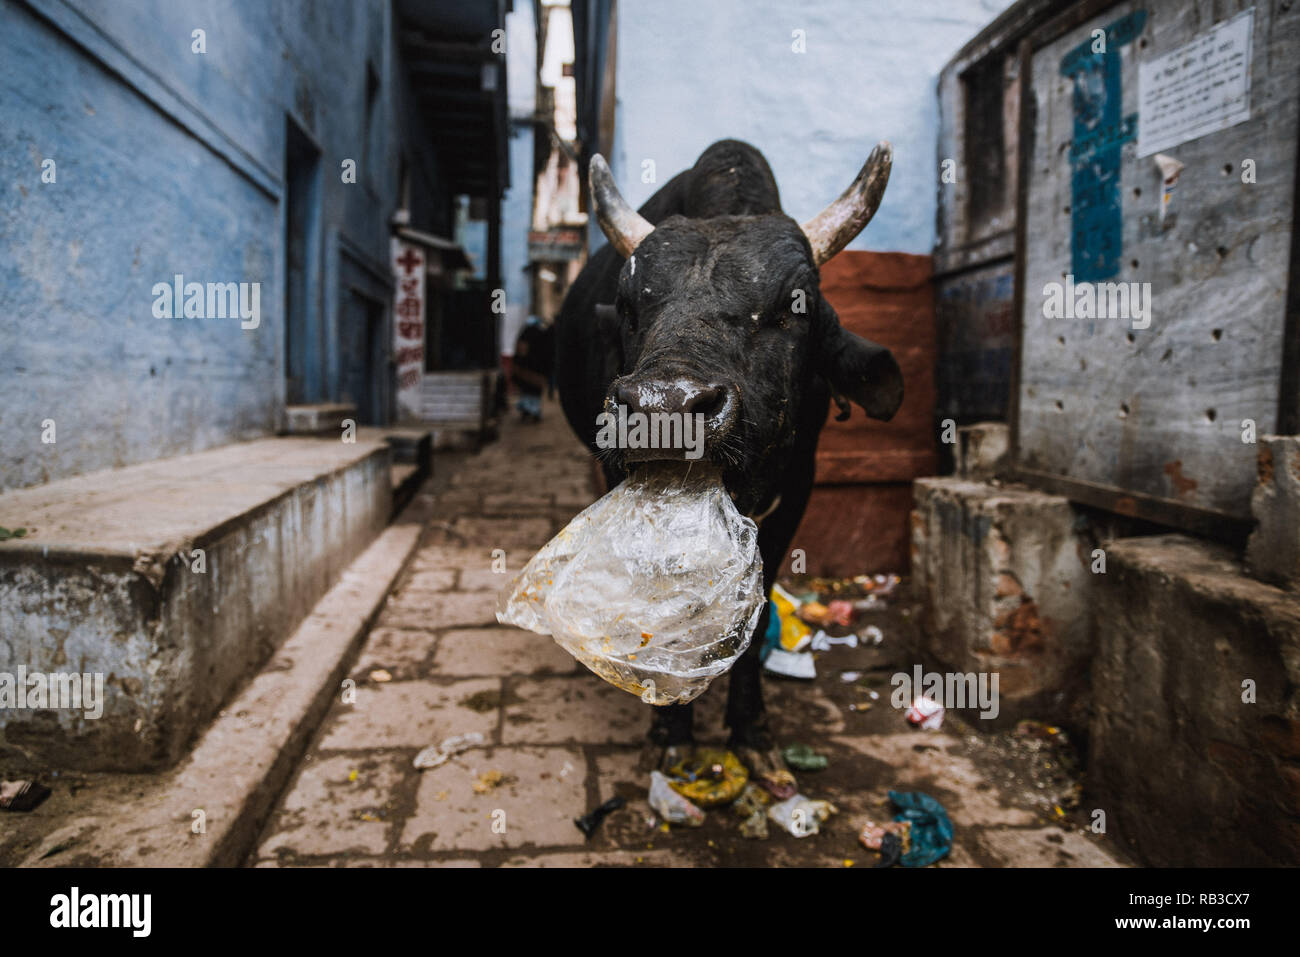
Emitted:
<point x="338" y="806"/>
<point x="581" y="709"/>
<point x="1045" y="847"/>
<point x="456" y="809"/>
<point x="368" y="862"/>
<point x="493" y="651"/>
<point x="409" y="714"/>
<point x="628" y="858"/>
<point x="432" y="612"/>
<point x="402" y="652"/>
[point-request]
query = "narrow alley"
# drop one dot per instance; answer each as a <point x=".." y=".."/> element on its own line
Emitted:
<point x="943" y="357"/>
<point x="558" y="741"/>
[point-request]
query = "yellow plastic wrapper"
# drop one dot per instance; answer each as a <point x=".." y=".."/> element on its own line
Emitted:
<point x="656" y="587"/>
<point x="793" y="631"/>
<point x="709" y="777"/>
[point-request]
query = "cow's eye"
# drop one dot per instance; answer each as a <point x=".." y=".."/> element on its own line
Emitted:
<point x="797" y="300"/>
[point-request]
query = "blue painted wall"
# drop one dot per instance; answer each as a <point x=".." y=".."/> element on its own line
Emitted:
<point x="171" y="161"/>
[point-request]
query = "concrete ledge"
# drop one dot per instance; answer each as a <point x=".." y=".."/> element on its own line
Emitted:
<point x="173" y="580"/>
<point x="1188" y="771"/>
<point x="245" y="757"/>
<point x="1004" y="577"/>
<point x="412" y="458"/>
<point x="325" y="418"/>
<point x="1273" y="551"/>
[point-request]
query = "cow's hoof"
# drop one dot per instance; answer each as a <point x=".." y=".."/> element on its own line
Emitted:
<point x="760" y="761"/>
<point x="659" y="757"/>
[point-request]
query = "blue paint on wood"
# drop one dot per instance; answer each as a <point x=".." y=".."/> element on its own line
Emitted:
<point x="1100" y="131"/>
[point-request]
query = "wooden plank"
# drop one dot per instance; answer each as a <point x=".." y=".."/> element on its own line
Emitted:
<point x="887" y="298"/>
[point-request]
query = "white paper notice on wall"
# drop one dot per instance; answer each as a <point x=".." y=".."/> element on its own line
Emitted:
<point x="1198" y="88"/>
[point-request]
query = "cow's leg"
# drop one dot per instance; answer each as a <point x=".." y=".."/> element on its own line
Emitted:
<point x="671" y="737"/>
<point x="751" y="737"/>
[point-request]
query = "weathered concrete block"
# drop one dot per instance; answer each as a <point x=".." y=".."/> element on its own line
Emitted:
<point x="1273" y="552"/>
<point x="319" y="419"/>
<point x="1004" y="579"/>
<point x="1189" y="770"/>
<point x="173" y="580"/>
<point x="982" y="450"/>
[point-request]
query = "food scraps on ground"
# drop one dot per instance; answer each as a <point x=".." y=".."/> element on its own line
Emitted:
<point x="490" y="780"/>
<point x="751" y="808"/>
<point x="873" y="832"/>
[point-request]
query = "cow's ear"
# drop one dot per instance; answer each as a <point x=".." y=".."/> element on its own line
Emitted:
<point x="857" y="369"/>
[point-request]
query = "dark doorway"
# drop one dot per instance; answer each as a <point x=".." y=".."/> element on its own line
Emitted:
<point x="304" y="335"/>
<point x="365" y="358"/>
<point x="470" y="341"/>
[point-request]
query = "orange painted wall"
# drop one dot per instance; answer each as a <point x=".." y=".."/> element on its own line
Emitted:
<point x="857" y="520"/>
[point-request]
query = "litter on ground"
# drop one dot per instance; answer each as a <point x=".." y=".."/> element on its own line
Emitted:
<point x="588" y="823"/>
<point x="800" y="816"/>
<point x="803" y="758"/>
<point x="670" y="805"/>
<point x="925" y="713"/>
<point x="432" y="757"/>
<point x="709" y="777"/>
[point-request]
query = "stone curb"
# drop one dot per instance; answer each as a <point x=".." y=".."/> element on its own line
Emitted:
<point x="245" y="758"/>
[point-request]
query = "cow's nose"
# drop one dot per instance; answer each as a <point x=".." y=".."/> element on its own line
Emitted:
<point x="677" y="395"/>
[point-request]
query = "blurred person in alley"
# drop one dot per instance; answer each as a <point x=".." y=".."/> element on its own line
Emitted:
<point x="533" y="366"/>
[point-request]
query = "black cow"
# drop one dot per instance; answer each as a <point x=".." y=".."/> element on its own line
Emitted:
<point x="708" y="301"/>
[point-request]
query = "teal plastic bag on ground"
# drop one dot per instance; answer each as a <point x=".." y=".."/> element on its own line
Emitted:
<point x="931" y="828"/>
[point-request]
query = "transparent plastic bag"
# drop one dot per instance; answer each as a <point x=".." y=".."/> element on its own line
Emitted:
<point x="656" y="587"/>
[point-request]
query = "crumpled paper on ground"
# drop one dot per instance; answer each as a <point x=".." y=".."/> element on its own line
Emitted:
<point x="656" y="587"/>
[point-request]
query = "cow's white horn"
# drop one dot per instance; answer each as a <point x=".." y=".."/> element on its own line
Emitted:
<point x="622" y="225"/>
<point x="835" y="226"/>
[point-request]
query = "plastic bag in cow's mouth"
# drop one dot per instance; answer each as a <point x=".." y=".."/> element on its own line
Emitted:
<point x="656" y="587"/>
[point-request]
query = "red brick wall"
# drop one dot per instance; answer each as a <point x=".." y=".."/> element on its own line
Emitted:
<point x="857" y="520"/>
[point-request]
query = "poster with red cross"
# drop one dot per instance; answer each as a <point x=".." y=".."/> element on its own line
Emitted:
<point x="408" y="325"/>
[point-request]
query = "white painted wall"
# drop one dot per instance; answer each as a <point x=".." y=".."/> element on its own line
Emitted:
<point x="694" y="71"/>
<point x="517" y="203"/>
